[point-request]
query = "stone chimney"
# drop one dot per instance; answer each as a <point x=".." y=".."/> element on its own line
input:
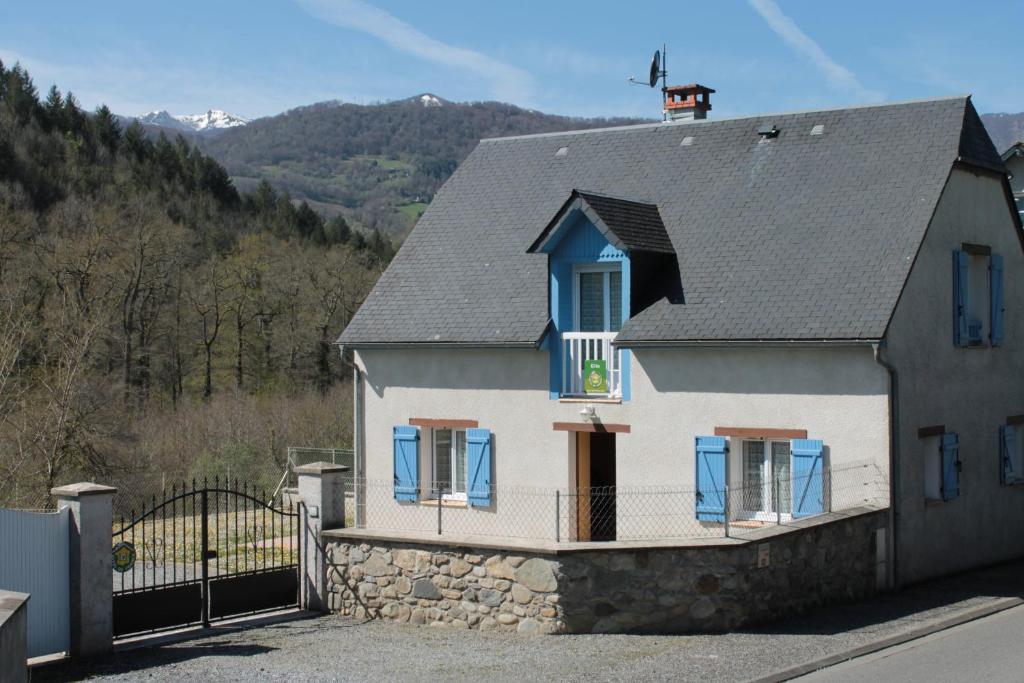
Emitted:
<point x="687" y="102"/>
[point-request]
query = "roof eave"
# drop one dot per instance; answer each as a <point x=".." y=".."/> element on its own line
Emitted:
<point x="677" y="343"/>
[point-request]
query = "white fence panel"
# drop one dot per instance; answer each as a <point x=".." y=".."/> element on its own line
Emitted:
<point x="34" y="559"/>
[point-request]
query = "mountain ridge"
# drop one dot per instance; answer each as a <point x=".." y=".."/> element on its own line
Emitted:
<point x="379" y="164"/>
<point x="212" y="121"/>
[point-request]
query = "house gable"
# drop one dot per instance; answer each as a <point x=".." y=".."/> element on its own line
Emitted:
<point x="971" y="390"/>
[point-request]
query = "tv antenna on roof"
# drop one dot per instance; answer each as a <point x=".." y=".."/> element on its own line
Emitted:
<point x="659" y="69"/>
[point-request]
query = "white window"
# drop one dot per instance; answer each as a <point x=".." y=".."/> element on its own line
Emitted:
<point x="597" y="299"/>
<point x="932" y="467"/>
<point x="449" y="463"/>
<point x="766" y="485"/>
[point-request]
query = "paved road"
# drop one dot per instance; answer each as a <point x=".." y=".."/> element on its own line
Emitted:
<point x="988" y="649"/>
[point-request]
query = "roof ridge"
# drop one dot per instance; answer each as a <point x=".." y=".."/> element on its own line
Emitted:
<point x="691" y="123"/>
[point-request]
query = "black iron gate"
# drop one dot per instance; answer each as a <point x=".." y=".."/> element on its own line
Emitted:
<point x="204" y="554"/>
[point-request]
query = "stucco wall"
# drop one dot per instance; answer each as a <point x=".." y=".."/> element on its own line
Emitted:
<point x="969" y="390"/>
<point x="839" y="395"/>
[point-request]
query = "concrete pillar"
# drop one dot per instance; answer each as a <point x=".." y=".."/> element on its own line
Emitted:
<point x="13" y="637"/>
<point x="322" y="492"/>
<point x="92" y="610"/>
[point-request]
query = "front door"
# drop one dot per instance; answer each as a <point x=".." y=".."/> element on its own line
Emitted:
<point x="595" y="480"/>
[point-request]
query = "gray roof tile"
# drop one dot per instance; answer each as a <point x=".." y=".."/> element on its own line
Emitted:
<point x="798" y="237"/>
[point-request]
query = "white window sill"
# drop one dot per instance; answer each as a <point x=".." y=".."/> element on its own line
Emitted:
<point x="445" y="503"/>
<point x="595" y="399"/>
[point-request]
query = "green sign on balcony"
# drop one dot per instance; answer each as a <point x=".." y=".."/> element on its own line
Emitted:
<point x="595" y="377"/>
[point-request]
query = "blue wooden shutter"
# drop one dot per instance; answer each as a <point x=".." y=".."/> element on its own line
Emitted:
<point x="807" y="472"/>
<point x="1007" y="446"/>
<point x="478" y="457"/>
<point x="407" y="462"/>
<point x="950" y="466"/>
<point x="961" y="277"/>
<point x="995" y="275"/>
<point x="711" y="478"/>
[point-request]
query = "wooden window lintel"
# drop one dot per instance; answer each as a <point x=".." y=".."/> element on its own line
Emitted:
<point x="976" y="249"/>
<point x="441" y="423"/>
<point x="933" y="430"/>
<point x="599" y="427"/>
<point x="1015" y="420"/>
<point x="761" y="432"/>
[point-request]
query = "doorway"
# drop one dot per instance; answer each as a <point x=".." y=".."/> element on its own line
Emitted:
<point x="595" y="480"/>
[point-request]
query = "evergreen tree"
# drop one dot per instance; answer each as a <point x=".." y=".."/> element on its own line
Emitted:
<point x="74" y="118"/>
<point x="264" y="199"/>
<point x="107" y="129"/>
<point x="337" y="231"/>
<point x="309" y="224"/>
<point x="21" y="96"/>
<point x="135" y="142"/>
<point x="53" y="109"/>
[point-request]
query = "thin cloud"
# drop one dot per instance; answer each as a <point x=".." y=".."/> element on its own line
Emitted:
<point x="836" y="75"/>
<point x="131" y="84"/>
<point x="507" y="82"/>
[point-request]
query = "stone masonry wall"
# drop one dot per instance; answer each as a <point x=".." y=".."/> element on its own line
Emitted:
<point x="677" y="590"/>
<point x="461" y="588"/>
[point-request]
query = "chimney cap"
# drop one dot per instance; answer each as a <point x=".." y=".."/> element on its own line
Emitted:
<point x="692" y="87"/>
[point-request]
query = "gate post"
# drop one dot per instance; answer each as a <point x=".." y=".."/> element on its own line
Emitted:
<point x="91" y="570"/>
<point x="322" y="492"/>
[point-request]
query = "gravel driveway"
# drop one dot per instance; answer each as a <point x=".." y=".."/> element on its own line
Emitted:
<point x="332" y="648"/>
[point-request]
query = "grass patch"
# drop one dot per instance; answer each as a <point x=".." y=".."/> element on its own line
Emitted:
<point x="413" y="210"/>
<point x="384" y="162"/>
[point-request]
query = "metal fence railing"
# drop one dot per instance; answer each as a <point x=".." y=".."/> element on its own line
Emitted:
<point x="624" y="513"/>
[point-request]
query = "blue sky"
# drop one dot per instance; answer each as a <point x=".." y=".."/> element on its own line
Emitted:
<point x="260" y="57"/>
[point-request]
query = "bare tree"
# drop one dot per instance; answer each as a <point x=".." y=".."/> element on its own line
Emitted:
<point x="208" y="297"/>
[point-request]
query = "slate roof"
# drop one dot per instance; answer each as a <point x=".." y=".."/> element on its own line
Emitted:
<point x="799" y="237"/>
<point x="627" y="225"/>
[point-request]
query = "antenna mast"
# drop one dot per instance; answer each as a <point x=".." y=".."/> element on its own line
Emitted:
<point x="664" y="80"/>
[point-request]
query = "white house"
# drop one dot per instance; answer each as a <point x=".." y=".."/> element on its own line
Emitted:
<point x="641" y="333"/>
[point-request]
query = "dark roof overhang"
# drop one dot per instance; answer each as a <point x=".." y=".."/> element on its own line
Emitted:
<point x="628" y="225"/>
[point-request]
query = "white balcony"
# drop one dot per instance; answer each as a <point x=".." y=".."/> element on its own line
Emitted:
<point x="580" y="347"/>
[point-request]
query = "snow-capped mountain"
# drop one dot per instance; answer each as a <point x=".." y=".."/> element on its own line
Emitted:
<point x="163" y="119"/>
<point x="212" y="121"/>
<point x="426" y="100"/>
<point x="214" y="118"/>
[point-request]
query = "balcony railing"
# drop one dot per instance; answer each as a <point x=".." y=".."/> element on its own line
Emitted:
<point x="580" y="347"/>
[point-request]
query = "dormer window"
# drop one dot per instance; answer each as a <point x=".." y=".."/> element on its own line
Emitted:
<point x="598" y="297"/>
<point x="591" y="241"/>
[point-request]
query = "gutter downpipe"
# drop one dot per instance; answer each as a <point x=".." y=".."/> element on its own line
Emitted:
<point x="894" y="465"/>
<point x="358" y="464"/>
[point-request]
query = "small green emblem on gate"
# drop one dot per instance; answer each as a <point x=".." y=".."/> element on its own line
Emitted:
<point x="124" y="556"/>
<point x="595" y="377"/>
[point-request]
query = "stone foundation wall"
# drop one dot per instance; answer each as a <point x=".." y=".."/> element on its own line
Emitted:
<point x="607" y="590"/>
<point x="461" y="588"/>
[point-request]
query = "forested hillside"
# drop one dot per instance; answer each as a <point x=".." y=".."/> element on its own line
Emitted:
<point x="377" y="165"/>
<point x="380" y="165"/>
<point x="153" y="320"/>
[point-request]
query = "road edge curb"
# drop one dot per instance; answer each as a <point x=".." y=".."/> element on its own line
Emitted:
<point x="927" y="629"/>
